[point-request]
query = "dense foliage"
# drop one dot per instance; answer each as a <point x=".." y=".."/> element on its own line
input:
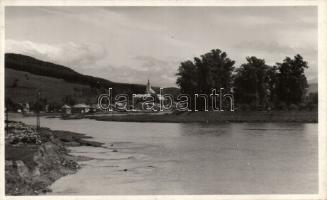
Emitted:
<point x="211" y="70"/>
<point x="250" y="81"/>
<point x="255" y="85"/>
<point x="291" y="81"/>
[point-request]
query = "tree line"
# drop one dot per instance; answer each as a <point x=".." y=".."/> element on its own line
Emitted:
<point x="254" y="84"/>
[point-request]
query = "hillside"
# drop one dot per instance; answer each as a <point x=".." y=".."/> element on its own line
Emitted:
<point x="25" y="76"/>
<point x="23" y="86"/>
<point x="42" y="68"/>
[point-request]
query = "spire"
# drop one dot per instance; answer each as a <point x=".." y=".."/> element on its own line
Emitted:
<point x="147" y="90"/>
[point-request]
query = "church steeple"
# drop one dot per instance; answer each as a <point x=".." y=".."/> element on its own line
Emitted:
<point x="148" y="87"/>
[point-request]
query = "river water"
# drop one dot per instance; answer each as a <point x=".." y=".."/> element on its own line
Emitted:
<point x="193" y="159"/>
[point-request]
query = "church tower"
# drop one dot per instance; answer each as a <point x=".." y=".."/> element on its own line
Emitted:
<point x="148" y="88"/>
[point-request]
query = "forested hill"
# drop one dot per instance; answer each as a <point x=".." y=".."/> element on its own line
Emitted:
<point x="34" y="66"/>
<point x="25" y="76"/>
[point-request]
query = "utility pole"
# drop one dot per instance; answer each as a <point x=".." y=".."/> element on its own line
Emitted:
<point x="38" y="111"/>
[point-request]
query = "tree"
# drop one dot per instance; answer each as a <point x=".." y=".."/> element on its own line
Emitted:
<point x="187" y="77"/>
<point x="252" y="82"/>
<point x="291" y="80"/>
<point x="215" y="70"/>
<point x="212" y="70"/>
<point x="272" y="85"/>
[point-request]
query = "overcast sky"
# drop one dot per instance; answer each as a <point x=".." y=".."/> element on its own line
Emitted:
<point x="133" y="44"/>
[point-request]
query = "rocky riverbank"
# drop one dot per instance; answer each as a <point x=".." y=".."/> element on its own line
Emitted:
<point x="36" y="158"/>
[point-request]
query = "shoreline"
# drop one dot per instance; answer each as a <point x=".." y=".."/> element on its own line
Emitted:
<point x="36" y="159"/>
<point x="196" y="117"/>
<point x="33" y="179"/>
<point x="215" y="117"/>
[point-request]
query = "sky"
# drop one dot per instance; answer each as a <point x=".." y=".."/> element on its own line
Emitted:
<point x="134" y="44"/>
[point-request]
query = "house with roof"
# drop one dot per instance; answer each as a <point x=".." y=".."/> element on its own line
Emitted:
<point x="81" y="108"/>
<point x="94" y="108"/>
<point x="66" y="109"/>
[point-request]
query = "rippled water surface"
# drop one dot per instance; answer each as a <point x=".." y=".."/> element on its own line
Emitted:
<point x="172" y="158"/>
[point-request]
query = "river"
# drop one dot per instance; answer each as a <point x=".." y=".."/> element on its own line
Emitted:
<point x="193" y="159"/>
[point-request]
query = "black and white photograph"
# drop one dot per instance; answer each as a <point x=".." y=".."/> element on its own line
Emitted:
<point x="119" y="100"/>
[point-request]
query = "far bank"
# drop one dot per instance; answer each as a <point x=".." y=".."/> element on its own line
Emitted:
<point x="214" y="117"/>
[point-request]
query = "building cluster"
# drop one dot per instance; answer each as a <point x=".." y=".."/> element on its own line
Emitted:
<point x="84" y="108"/>
<point x="80" y="108"/>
